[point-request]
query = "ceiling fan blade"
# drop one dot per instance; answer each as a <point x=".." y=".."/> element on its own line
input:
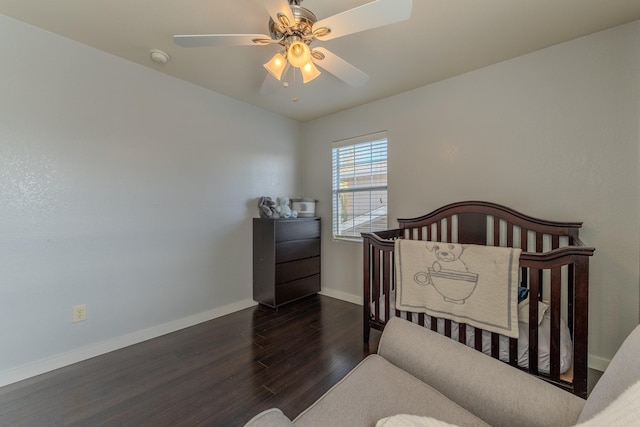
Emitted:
<point x="200" y="40"/>
<point x="371" y="15"/>
<point x="276" y="7"/>
<point x="340" y="68"/>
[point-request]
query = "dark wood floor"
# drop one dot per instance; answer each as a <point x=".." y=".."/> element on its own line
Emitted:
<point x="218" y="373"/>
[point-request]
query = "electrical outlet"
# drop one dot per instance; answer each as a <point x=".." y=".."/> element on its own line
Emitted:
<point x="79" y="313"/>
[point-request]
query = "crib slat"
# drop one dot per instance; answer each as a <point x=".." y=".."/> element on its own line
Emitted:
<point x="393" y="270"/>
<point x="447" y="327"/>
<point x="555" y="322"/>
<point x="367" y="292"/>
<point x="495" y="345"/>
<point x="570" y="295"/>
<point x="582" y="318"/>
<point x="386" y="282"/>
<point x="376" y="284"/>
<point x="393" y="276"/>
<point x="535" y="278"/>
<point x="539" y="237"/>
<point x="477" y="338"/>
<point x="524" y="239"/>
<point x="462" y="333"/>
<point x="434" y="323"/>
<point x="509" y="235"/>
<point x="513" y="351"/>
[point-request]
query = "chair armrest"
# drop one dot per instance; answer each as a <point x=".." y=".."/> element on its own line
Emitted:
<point x="492" y="390"/>
<point x="270" y="418"/>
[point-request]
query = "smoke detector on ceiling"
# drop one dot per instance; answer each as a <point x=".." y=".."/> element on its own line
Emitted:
<point x="159" y="57"/>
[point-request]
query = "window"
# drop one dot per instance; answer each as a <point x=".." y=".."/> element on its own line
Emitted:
<point x="359" y="185"/>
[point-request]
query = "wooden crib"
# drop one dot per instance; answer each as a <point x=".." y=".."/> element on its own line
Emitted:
<point x="554" y="266"/>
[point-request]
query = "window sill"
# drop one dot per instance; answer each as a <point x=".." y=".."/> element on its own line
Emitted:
<point x="348" y="239"/>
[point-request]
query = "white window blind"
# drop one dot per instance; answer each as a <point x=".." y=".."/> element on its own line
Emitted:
<point x="359" y="185"/>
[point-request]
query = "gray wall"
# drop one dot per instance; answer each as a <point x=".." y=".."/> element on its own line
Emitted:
<point x="553" y="134"/>
<point x="123" y="189"/>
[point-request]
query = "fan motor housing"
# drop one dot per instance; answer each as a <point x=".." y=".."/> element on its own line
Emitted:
<point x="303" y="26"/>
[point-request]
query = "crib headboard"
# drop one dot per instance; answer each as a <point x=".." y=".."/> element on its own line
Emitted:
<point x="554" y="267"/>
<point x="486" y="223"/>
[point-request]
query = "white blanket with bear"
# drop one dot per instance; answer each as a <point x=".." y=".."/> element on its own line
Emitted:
<point x="472" y="284"/>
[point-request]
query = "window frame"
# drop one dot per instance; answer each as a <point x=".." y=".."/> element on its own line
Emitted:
<point x="374" y="140"/>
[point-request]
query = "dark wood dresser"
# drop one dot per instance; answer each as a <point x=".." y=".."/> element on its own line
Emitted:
<point x="286" y="259"/>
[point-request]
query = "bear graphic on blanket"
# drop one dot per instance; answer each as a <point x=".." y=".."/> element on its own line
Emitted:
<point x="449" y="274"/>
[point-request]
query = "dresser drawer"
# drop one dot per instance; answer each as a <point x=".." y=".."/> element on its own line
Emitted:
<point x="297" y="289"/>
<point x="297" y="249"/>
<point x="297" y="229"/>
<point x="293" y="270"/>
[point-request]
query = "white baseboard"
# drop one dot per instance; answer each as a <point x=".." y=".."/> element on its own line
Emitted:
<point x="29" y="370"/>
<point x="598" y="363"/>
<point x="355" y="299"/>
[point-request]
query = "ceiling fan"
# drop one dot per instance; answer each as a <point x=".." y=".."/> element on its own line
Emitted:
<point x="296" y="29"/>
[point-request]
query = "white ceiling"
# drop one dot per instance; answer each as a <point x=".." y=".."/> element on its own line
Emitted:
<point x="443" y="38"/>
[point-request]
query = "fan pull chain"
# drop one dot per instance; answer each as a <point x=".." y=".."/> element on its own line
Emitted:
<point x="294" y="98"/>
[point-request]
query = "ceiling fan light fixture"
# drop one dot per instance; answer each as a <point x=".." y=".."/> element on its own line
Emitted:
<point x="309" y="72"/>
<point x="298" y="54"/>
<point x="276" y="65"/>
